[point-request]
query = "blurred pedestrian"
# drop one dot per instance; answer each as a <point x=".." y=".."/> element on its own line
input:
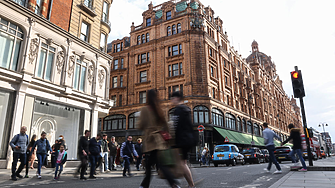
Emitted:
<point x="83" y="151"/>
<point x="19" y="145"/>
<point x="296" y="137"/>
<point x="208" y="156"/>
<point x="152" y="122"/>
<point x="43" y="147"/>
<point x="203" y="156"/>
<point x="113" y="147"/>
<point x="268" y="136"/>
<point x="61" y="157"/>
<point x="94" y="154"/>
<point x="105" y="150"/>
<point x="138" y="148"/>
<point x="126" y="152"/>
<point x="61" y="142"/>
<point x="30" y="155"/>
<point x="53" y="154"/>
<point x="185" y="138"/>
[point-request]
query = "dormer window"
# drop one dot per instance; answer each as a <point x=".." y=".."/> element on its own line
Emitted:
<point x="148" y="22"/>
<point x="168" y="15"/>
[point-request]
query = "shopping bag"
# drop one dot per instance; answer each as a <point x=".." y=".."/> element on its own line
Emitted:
<point x="166" y="157"/>
<point x="176" y="169"/>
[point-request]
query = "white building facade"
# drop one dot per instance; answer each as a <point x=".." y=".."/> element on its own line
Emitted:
<point x="50" y="81"/>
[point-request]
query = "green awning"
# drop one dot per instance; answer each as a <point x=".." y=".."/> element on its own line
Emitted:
<point x="240" y="137"/>
<point x="224" y="133"/>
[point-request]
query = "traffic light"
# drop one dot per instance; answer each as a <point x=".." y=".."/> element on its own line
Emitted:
<point x="297" y="83"/>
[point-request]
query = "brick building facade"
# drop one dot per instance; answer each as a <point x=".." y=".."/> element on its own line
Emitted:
<point x="181" y="46"/>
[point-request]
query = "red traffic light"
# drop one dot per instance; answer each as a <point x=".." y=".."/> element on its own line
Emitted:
<point x="295" y="74"/>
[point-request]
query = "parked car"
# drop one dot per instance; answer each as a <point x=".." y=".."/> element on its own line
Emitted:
<point x="323" y="154"/>
<point x="253" y="155"/>
<point x="226" y="154"/>
<point x="282" y="153"/>
<point x="266" y="154"/>
<point x="305" y="155"/>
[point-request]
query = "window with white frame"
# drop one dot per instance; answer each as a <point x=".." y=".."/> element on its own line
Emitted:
<point x="45" y="63"/>
<point x="168" y="15"/>
<point x="143" y="97"/>
<point x="175" y="69"/>
<point x="148" y="22"/>
<point x="105" y="12"/>
<point x="114" y="82"/>
<point x="116" y="64"/>
<point x="103" y="42"/>
<point x="121" y="81"/>
<point x="143" y="76"/>
<point x="178" y="28"/>
<point x="84" y="33"/>
<point x="11" y="37"/>
<point x="80" y="76"/>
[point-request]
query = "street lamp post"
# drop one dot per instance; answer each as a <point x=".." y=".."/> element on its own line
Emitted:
<point x="252" y="135"/>
<point x="324" y="135"/>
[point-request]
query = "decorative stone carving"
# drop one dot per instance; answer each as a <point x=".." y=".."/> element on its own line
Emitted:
<point x="101" y="76"/>
<point x="60" y="61"/>
<point x="33" y="50"/>
<point x="90" y="71"/>
<point x="72" y="63"/>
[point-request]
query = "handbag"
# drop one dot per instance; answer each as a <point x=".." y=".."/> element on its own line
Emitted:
<point x="174" y="163"/>
<point x="166" y="135"/>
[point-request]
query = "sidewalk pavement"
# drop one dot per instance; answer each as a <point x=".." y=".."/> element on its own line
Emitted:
<point x="313" y="178"/>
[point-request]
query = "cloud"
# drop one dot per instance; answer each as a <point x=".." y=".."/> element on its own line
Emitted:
<point x="293" y="32"/>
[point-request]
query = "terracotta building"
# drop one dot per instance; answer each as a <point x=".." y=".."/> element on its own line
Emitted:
<point x="53" y="78"/>
<point x="181" y="46"/>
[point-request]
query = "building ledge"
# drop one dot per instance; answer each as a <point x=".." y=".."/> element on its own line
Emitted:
<point x="175" y="77"/>
<point x="88" y="7"/>
<point x="142" y="83"/>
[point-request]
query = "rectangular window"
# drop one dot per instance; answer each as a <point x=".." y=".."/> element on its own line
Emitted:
<point x="148" y="22"/>
<point x="102" y="42"/>
<point x="121" y="66"/>
<point x="170" y="71"/>
<point x="45" y="64"/>
<point x="121" y="46"/>
<point x="148" y="56"/>
<point x="175" y="69"/>
<point x="181" y="88"/>
<point x="79" y="76"/>
<point x="139" y="59"/>
<point x="121" y="81"/>
<point x="84" y="31"/>
<point x="143" y="76"/>
<point x="105" y="12"/>
<point x="143" y="97"/>
<point x="210" y="52"/>
<point x="181" y="68"/>
<point x="175" y="50"/>
<point x="118" y="47"/>
<point x="212" y="71"/>
<point x="213" y="92"/>
<point x="116" y="63"/>
<point x="143" y="58"/>
<point x="120" y="101"/>
<point x="114" y="82"/>
<point x="168" y="15"/>
<point x="169" y="51"/>
<point x="175" y="88"/>
<point x="113" y="98"/>
<point x="180" y="49"/>
<point x="226" y="80"/>
<point x="224" y="63"/>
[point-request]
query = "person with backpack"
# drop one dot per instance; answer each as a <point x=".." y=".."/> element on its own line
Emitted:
<point x="19" y="146"/>
<point x="295" y="136"/>
<point x="61" y="157"/>
<point x="184" y="134"/>
<point x="43" y="147"/>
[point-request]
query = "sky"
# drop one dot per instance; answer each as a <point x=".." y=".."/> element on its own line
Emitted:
<point x="293" y="32"/>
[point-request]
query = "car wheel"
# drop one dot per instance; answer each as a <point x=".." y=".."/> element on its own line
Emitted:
<point x="216" y="165"/>
<point x="258" y="161"/>
<point x="234" y="162"/>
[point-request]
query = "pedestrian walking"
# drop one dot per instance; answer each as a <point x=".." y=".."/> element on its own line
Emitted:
<point x="268" y="136"/>
<point x="126" y="152"/>
<point x="61" y="142"/>
<point x="105" y="151"/>
<point x="296" y="137"/>
<point x="61" y="157"/>
<point x="152" y="123"/>
<point x="113" y="147"/>
<point x="203" y="156"/>
<point x="19" y="145"/>
<point x="43" y="147"/>
<point x="94" y="153"/>
<point x="138" y="148"/>
<point x="83" y="152"/>
<point x="53" y="154"/>
<point x="184" y="136"/>
<point x="208" y="156"/>
<point x="30" y="155"/>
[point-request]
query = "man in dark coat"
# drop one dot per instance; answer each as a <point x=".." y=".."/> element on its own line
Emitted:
<point x="295" y="136"/>
<point x="113" y="147"/>
<point x="138" y="148"/>
<point x="83" y="153"/>
<point x="94" y="153"/>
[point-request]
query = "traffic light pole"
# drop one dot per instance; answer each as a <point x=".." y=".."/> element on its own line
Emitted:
<point x="310" y="160"/>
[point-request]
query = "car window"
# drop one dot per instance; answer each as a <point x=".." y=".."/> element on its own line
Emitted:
<point x="248" y="151"/>
<point x="232" y="148"/>
<point x="221" y="148"/>
<point x="236" y="149"/>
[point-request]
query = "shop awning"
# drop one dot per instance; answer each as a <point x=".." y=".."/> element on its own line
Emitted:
<point x="226" y="134"/>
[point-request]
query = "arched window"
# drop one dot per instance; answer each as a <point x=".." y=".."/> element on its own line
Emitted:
<point x="11" y="37"/>
<point x="114" y="122"/>
<point x="143" y="39"/>
<point x="132" y="120"/>
<point x="256" y="129"/>
<point x="148" y="37"/>
<point x="201" y="114"/>
<point x="249" y="127"/>
<point x="139" y="39"/>
<point x="168" y="31"/>
<point x="230" y="121"/>
<point x="244" y="126"/>
<point x="239" y="125"/>
<point x="171" y="112"/>
<point x="174" y="29"/>
<point x="217" y="117"/>
<point x="178" y="28"/>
